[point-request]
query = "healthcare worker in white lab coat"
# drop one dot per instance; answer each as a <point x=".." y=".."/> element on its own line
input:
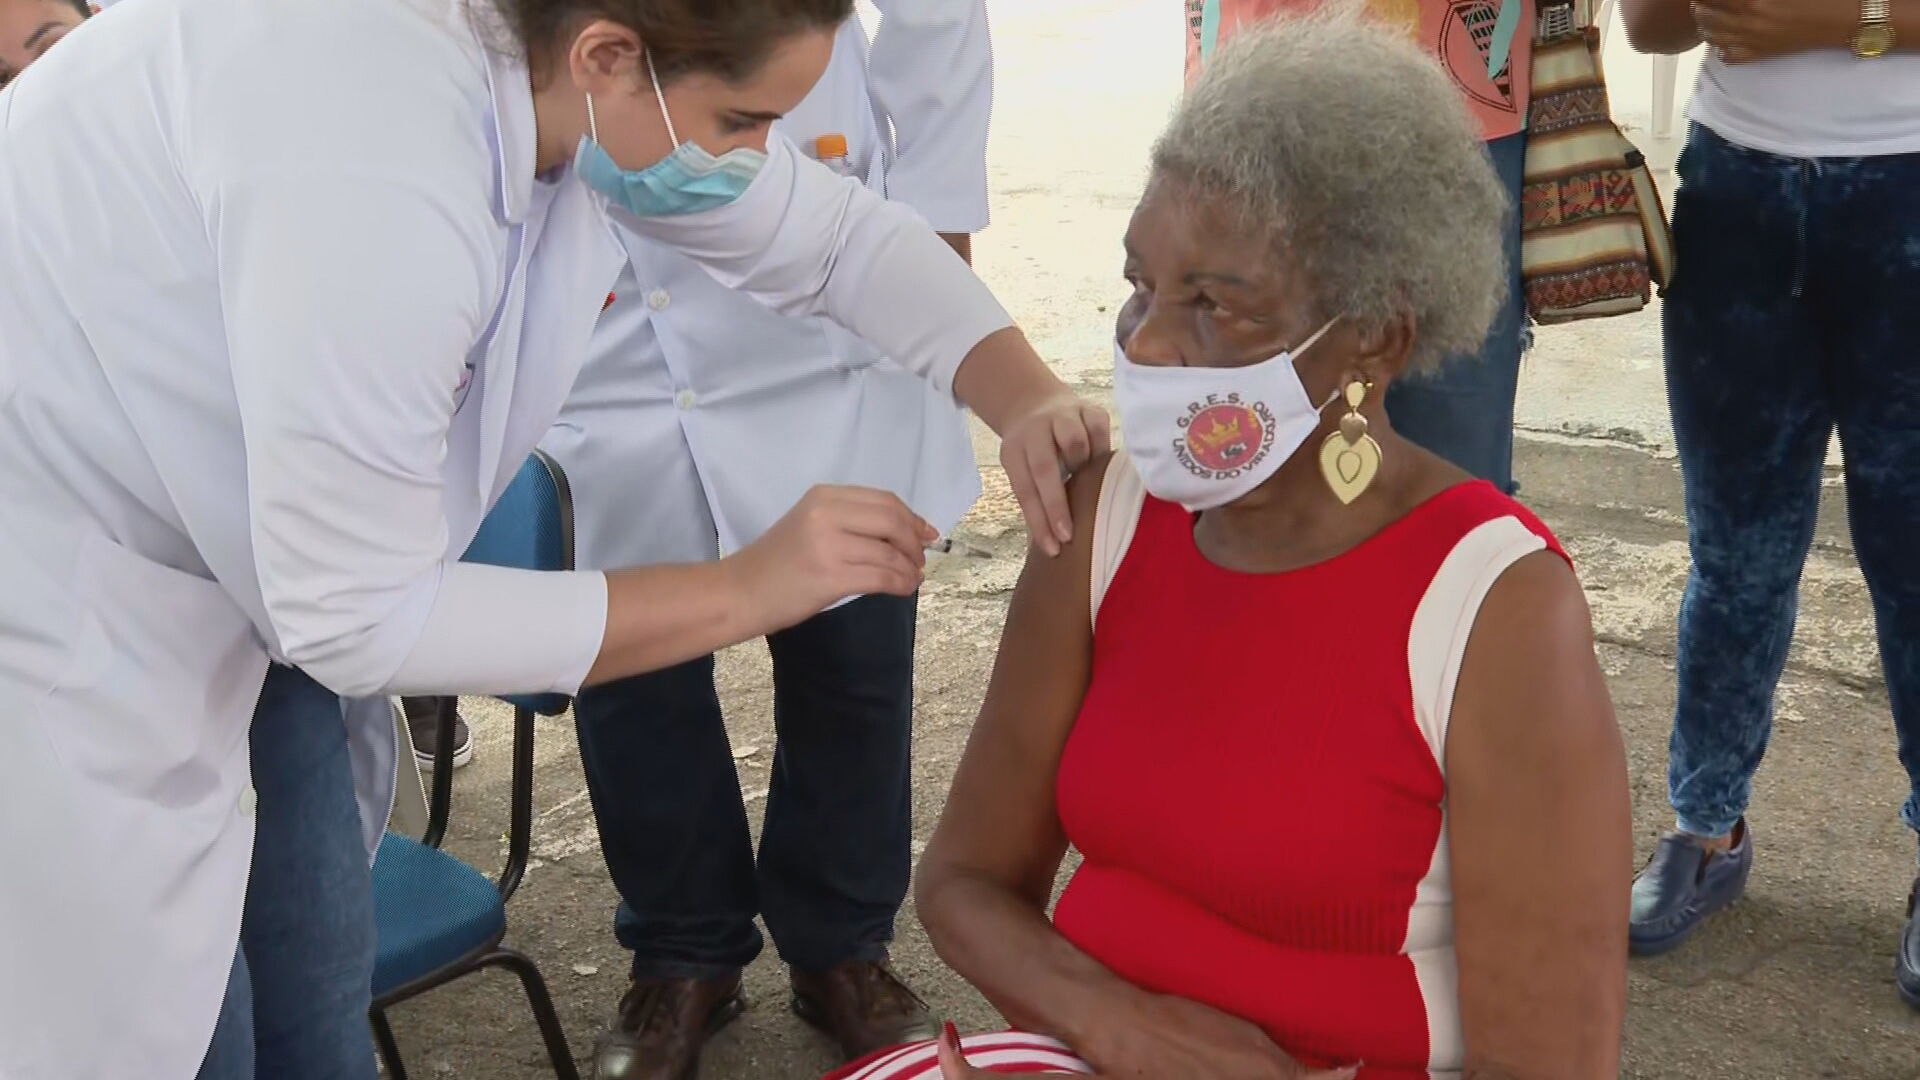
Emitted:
<point x="287" y="293"/>
<point x="701" y="414"/>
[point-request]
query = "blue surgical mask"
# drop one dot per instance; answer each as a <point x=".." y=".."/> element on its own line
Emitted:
<point x="686" y="181"/>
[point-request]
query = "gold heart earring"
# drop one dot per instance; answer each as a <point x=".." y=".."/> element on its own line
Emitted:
<point x="1349" y="458"/>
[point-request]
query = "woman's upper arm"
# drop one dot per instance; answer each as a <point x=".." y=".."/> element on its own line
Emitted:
<point x="1541" y="836"/>
<point x="804" y="241"/>
<point x="356" y="264"/>
<point x="1000" y="820"/>
<point x="348" y="327"/>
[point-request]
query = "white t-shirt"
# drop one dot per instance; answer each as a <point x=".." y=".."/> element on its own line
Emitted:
<point x="1818" y="104"/>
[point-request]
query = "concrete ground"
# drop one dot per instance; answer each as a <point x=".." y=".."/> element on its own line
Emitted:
<point x="1794" y="983"/>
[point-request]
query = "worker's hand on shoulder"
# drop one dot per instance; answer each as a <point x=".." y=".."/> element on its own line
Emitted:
<point x="835" y="543"/>
<point x="1040" y="448"/>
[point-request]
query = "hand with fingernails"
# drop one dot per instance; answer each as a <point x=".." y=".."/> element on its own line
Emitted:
<point x="837" y="542"/>
<point x="1040" y="449"/>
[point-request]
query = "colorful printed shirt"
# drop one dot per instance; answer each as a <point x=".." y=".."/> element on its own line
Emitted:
<point x="1485" y="50"/>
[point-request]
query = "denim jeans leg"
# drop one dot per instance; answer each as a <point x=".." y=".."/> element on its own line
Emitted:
<point x="230" y="1054"/>
<point x="1464" y="411"/>
<point x="1864" y="230"/>
<point x="835" y="855"/>
<point x="672" y="825"/>
<point x="308" y="929"/>
<point x="1747" y="390"/>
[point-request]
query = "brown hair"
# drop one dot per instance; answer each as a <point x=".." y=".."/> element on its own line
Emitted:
<point x="727" y="38"/>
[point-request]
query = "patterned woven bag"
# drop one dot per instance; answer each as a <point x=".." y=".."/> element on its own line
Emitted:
<point x="1594" y="238"/>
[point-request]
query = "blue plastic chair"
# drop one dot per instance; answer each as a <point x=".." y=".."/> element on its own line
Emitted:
<point x="438" y="918"/>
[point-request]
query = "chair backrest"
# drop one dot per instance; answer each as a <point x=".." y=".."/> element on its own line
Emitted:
<point x="530" y="528"/>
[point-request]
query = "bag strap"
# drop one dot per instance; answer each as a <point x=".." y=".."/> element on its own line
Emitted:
<point x="1209" y="28"/>
<point x="1115" y="517"/>
<point x="1505" y="25"/>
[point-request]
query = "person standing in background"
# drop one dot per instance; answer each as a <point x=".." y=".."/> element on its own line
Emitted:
<point x="1797" y="233"/>
<point x="700" y="418"/>
<point x="1463" y="410"/>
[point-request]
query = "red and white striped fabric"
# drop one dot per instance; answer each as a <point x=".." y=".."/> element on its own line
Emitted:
<point x="1007" y="1052"/>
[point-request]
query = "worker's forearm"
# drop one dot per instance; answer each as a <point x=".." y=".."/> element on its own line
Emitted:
<point x="493" y="630"/>
<point x="1660" y="26"/>
<point x="659" y="616"/>
<point x="1003" y="944"/>
<point x="1003" y="379"/>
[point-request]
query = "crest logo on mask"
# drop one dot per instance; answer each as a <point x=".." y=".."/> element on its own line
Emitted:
<point x="1224" y="436"/>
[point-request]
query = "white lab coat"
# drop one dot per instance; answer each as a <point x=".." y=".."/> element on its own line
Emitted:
<point x="277" y="331"/>
<point x="701" y="413"/>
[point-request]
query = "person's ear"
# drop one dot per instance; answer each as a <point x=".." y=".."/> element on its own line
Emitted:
<point x="1383" y="353"/>
<point x="606" y="57"/>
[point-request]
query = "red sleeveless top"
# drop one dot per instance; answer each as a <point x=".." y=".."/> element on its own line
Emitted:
<point x="1256" y="780"/>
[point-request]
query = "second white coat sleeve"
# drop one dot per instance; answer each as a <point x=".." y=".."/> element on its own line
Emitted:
<point x="805" y="241"/>
<point x="931" y="73"/>
<point x="353" y="291"/>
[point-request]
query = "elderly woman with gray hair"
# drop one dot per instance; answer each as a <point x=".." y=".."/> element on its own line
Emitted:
<point x="1320" y="712"/>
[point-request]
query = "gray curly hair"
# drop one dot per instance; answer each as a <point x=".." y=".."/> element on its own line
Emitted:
<point x="1350" y="146"/>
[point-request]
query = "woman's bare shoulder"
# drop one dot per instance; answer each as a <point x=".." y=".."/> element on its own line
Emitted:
<point x="1069" y="571"/>
<point x="1083" y="489"/>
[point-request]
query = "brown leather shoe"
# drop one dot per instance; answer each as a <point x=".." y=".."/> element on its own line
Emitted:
<point x="663" y="1025"/>
<point x="864" y="1006"/>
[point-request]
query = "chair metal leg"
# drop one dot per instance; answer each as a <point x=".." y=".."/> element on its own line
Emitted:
<point x="440" y="797"/>
<point x="543" y="1012"/>
<point x="389" y="1048"/>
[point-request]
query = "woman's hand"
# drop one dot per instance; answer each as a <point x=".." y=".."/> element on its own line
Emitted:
<point x="1168" y="1037"/>
<point x="1046" y="430"/>
<point x="1039" y="448"/>
<point x="953" y="1061"/>
<point x="835" y="543"/>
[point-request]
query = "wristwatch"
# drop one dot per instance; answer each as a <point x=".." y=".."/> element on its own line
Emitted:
<point x="1874" y="36"/>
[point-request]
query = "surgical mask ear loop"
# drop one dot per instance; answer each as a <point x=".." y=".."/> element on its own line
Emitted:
<point x="593" y="123"/>
<point x="1293" y="357"/>
<point x="1313" y="337"/>
<point x="659" y="95"/>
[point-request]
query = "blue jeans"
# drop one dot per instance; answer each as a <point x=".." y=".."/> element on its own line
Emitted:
<point x="1795" y="310"/>
<point x="296" y="1006"/>
<point x="835" y="854"/>
<point x="1464" y="411"/>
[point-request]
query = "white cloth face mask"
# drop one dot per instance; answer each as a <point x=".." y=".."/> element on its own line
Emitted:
<point x="1205" y="436"/>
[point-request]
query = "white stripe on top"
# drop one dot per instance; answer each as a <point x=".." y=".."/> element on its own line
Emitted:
<point x="1436" y="645"/>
